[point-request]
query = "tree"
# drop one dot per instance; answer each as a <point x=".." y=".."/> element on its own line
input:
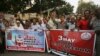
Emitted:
<point x="86" y="6"/>
<point x="13" y="5"/>
<point x="66" y="9"/>
<point x="42" y="5"/>
<point x="47" y="4"/>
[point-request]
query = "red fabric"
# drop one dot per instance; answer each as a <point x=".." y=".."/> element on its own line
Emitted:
<point x="60" y="40"/>
<point x="83" y="24"/>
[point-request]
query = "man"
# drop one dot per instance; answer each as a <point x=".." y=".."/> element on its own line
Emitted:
<point x="62" y="24"/>
<point x="18" y="26"/>
<point x="96" y="27"/>
<point x="2" y="36"/>
<point x="53" y="21"/>
<point x="88" y="16"/>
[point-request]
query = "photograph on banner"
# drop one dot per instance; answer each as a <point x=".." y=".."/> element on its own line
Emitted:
<point x="79" y="43"/>
<point x="25" y="40"/>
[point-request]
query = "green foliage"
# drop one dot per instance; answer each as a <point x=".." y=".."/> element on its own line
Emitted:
<point x="86" y="6"/>
<point x="13" y="5"/>
<point x="67" y="9"/>
<point x="47" y="4"/>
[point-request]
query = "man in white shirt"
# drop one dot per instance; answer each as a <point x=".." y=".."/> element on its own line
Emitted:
<point x="53" y="20"/>
<point x="42" y="25"/>
<point x="34" y="25"/>
<point x="16" y="26"/>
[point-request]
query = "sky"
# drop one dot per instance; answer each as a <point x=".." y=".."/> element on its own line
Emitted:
<point x="75" y="3"/>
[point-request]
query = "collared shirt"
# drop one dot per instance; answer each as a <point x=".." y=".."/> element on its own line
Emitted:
<point x="35" y="27"/>
<point x="2" y="26"/>
<point x="42" y="26"/>
<point x="52" y="24"/>
<point x="96" y="24"/>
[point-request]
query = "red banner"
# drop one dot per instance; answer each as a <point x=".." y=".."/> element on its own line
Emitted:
<point x="80" y="43"/>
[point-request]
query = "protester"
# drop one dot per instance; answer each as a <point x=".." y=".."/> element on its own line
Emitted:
<point x="18" y="26"/>
<point x="16" y="17"/>
<point x="62" y="24"/>
<point x="88" y="16"/>
<point x="52" y="22"/>
<point x="72" y="23"/>
<point x="35" y="25"/>
<point x="83" y="24"/>
<point x="93" y="17"/>
<point x="2" y="36"/>
<point x="45" y="20"/>
<point x="42" y="25"/>
<point x="7" y="25"/>
<point x="96" y="27"/>
<point x="27" y="24"/>
<point x="77" y="21"/>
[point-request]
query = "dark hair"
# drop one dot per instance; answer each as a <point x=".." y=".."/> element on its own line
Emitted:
<point x="15" y="15"/>
<point x="97" y="13"/>
<point x="86" y="11"/>
<point x="62" y="16"/>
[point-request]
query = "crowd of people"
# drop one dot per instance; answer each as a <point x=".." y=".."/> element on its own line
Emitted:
<point x="53" y="21"/>
<point x="86" y="21"/>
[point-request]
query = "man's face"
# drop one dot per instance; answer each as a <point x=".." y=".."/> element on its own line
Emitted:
<point x="0" y="20"/>
<point x="87" y="13"/>
<point x="53" y="14"/>
<point x="62" y="18"/>
<point x="18" y="23"/>
<point x="83" y="18"/>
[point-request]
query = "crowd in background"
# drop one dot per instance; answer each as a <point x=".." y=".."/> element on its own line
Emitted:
<point x="86" y="21"/>
<point x="53" y="21"/>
